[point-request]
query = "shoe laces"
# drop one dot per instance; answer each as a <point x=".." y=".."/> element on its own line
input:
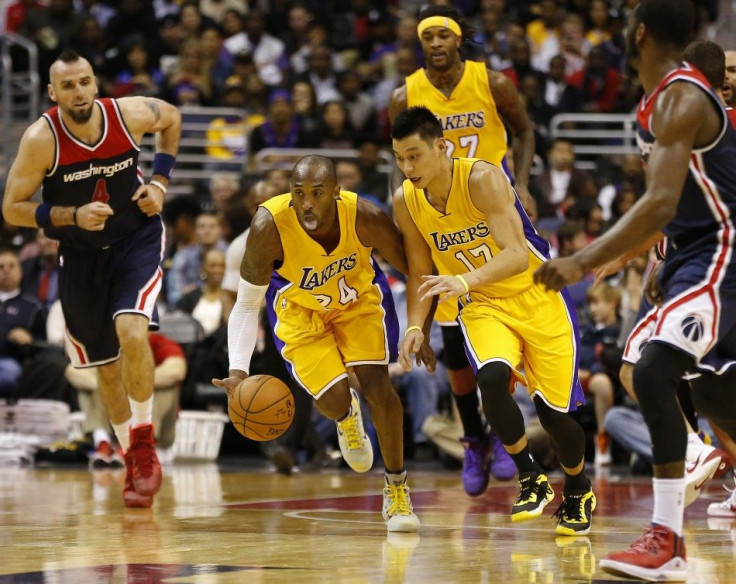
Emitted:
<point x="649" y="542"/>
<point x="398" y="495"/>
<point x="527" y="486"/>
<point x="352" y="432"/>
<point x="572" y="509"/>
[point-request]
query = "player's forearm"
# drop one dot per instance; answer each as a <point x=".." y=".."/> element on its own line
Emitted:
<point x="167" y="143"/>
<point x="23" y="214"/>
<point x="506" y="264"/>
<point x="647" y="217"/>
<point x="523" y="144"/>
<point x="416" y="309"/>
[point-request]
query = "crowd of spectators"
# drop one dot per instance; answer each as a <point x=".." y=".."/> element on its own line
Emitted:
<point x="319" y="74"/>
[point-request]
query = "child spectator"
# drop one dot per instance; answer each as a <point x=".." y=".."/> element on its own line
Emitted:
<point x="596" y="376"/>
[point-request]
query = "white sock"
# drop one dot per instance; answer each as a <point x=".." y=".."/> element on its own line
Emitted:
<point x="398" y="478"/>
<point x="100" y="435"/>
<point x="669" y="503"/>
<point x="122" y="432"/>
<point x="142" y="411"/>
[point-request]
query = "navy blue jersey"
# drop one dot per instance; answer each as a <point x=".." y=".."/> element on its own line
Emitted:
<point x="702" y="231"/>
<point x="106" y="171"/>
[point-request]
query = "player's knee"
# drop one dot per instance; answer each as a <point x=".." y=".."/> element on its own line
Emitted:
<point x="657" y="375"/>
<point x="494" y="379"/>
<point x="131" y="338"/>
<point x="548" y="417"/>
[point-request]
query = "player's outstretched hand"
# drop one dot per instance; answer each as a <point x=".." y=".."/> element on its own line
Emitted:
<point x="150" y="199"/>
<point x="411" y="345"/>
<point x="558" y="273"/>
<point x="443" y="286"/>
<point x="93" y="216"/>
<point x="228" y="384"/>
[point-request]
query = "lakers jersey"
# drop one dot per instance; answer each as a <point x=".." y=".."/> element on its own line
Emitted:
<point x="460" y="239"/>
<point x="309" y="276"/>
<point x="469" y="118"/>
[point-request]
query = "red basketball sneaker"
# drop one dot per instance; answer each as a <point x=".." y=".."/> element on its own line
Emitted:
<point x="657" y="556"/>
<point x="130" y="497"/>
<point x="145" y="468"/>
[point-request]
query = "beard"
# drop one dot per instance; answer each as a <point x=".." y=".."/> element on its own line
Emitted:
<point x="81" y="116"/>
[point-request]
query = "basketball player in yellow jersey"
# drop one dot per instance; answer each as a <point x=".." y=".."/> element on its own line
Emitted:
<point x="330" y="308"/>
<point x="462" y="217"/>
<point x="473" y="104"/>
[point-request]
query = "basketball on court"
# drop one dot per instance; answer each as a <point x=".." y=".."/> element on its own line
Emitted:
<point x="261" y="407"/>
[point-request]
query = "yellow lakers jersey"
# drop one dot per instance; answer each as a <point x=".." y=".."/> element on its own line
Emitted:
<point x="469" y="118"/>
<point x="461" y="240"/>
<point x="312" y="278"/>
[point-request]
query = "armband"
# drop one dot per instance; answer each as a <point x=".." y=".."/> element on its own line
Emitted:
<point x="43" y="215"/>
<point x="163" y="164"/>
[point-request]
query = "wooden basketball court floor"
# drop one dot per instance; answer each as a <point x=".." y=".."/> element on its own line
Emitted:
<point x="228" y="525"/>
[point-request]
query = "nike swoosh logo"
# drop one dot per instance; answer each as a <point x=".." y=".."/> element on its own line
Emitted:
<point x="701" y="483"/>
<point x="692" y="466"/>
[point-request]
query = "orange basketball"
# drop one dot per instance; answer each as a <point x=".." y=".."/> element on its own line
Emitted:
<point x="261" y="407"/>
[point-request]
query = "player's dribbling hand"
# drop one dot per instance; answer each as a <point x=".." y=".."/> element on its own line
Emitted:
<point x="558" y="273"/>
<point x="92" y="216"/>
<point x="443" y="286"/>
<point x="411" y="345"/>
<point x="150" y="199"/>
<point x="228" y="383"/>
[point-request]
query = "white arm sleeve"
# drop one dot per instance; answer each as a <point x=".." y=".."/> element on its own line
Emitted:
<point x="242" y="328"/>
<point x="233" y="257"/>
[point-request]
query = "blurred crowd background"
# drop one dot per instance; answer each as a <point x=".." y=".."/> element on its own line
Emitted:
<point x="255" y="77"/>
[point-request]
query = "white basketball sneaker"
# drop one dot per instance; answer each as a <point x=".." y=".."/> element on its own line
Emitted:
<point x="701" y="463"/>
<point x="397" y="508"/>
<point x="725" y="508"/>
<point x="355" y="445"/>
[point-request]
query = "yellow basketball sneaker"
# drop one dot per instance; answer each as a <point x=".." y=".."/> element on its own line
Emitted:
<point x="355" y="445"/>
<point x="397" y="509"/>
<point x="575" y="515"/>
<point x="534" y="494"/>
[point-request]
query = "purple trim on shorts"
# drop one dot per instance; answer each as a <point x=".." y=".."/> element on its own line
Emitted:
<point x="390" y="320"/>
<point x="277" y="284"/>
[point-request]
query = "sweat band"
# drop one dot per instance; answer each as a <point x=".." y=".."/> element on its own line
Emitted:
<point x="413" y="328"/>
<point x="43" y="215"/>
<point x="163" y="164"/>
<point x="464" y="281"/>
<point x="442" y="21"/>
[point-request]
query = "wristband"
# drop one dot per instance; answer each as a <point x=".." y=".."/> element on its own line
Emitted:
<point x="412" y="328"/>
<point x="163" y="164"/>
<point x="43" y="215"/>
<point x="464" y="281"/>
<point x="158" y="184"/>
<point x="74" y="215"/>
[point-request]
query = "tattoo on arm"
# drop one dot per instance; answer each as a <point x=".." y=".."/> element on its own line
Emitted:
<point x="153" y="106"/>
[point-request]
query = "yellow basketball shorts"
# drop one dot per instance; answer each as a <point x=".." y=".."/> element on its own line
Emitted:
<point x="318" y="346"/>
<point x="535" y="333"/>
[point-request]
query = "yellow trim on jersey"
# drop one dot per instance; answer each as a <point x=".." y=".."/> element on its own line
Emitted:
<point x="469" y="118"/>
<point x="460" y="239"/>
<point x="322" y="281"/>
